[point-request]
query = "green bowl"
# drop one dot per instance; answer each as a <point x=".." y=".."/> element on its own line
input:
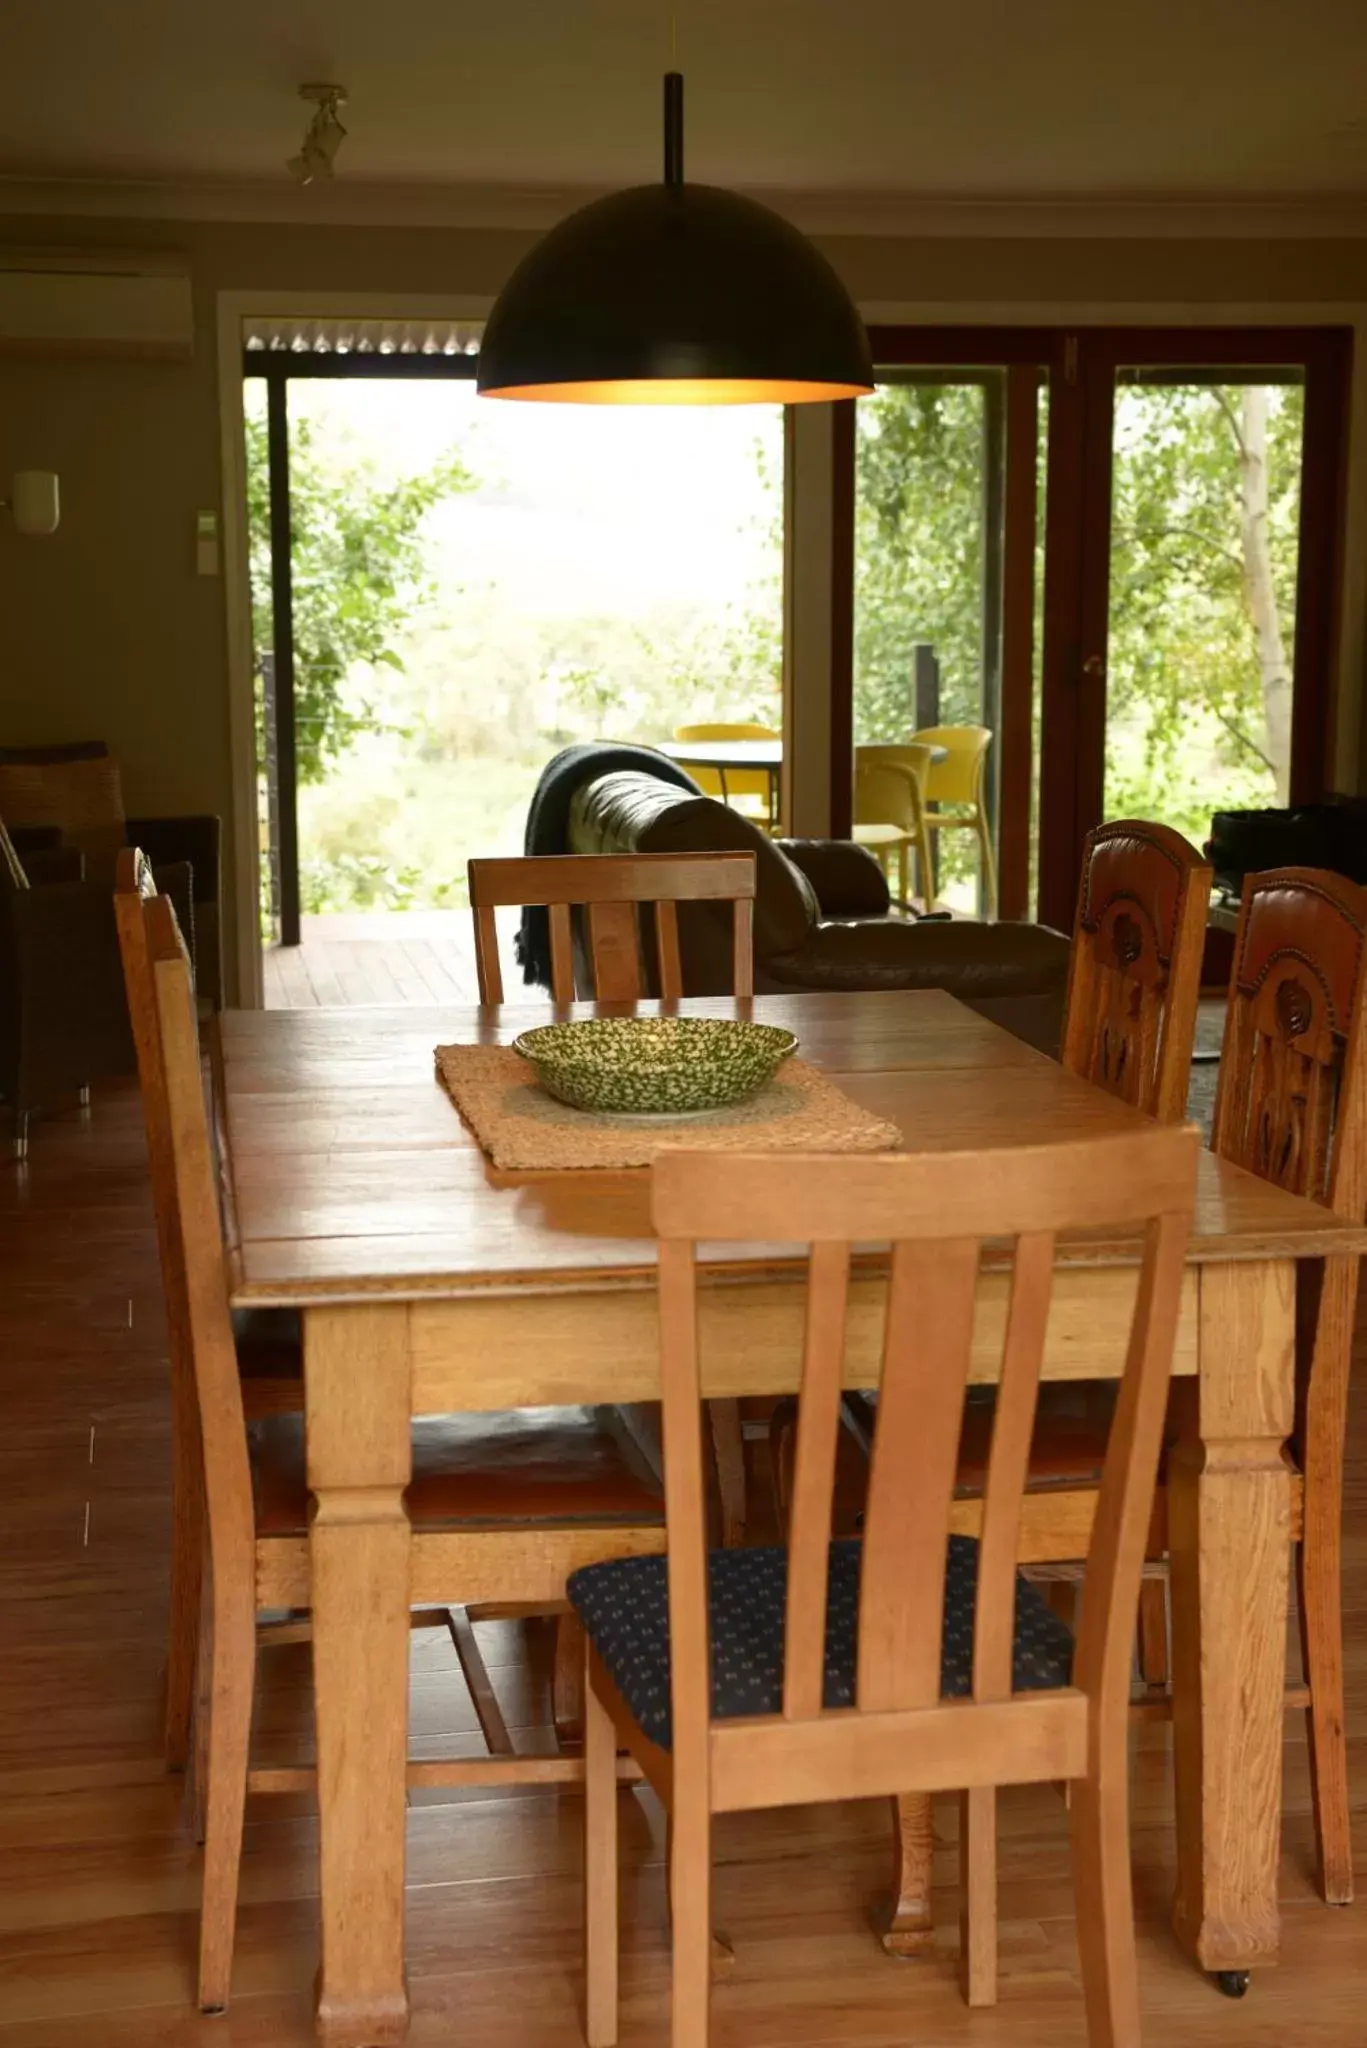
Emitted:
<point x="654" y="1066"/>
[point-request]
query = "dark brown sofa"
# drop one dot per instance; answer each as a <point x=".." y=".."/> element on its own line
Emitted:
<point x="822" y="913"/>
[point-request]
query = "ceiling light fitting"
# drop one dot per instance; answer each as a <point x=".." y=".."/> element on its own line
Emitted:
<point x="674" y="294"/>
<point x="324" y="135"/>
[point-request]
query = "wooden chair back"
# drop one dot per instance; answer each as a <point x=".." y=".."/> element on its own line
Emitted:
<point x="610" y="887"/>
<point x="1291" y="1104"/>
<point x="1134" y="977"/>
<point x="199" y="1235"/>
<point x="936" y="1211"/>
<point x="134" y="889"/>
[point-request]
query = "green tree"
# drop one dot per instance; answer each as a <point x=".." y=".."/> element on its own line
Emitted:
<point x="359" y="573"/>
<point x="1206" y="501"/>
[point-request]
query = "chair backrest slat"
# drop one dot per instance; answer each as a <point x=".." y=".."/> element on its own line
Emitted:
<point x="1009" y="1463"/>
<point x="1135" y="969"/>
<point x="667" y="949"/>
<point x="615" y="948"/>
<point x="1291" y="1103"/>
<point x="562" y="953"/>
<point x="926" y="1344"/>
<point x="814" y="1480"/>
<point x="935" y="1211"/>
<point x="612" y="888"/>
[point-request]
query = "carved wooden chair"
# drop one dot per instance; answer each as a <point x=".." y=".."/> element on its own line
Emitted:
<point x="610" y="889"/>
<point x="1134" y="975"/>
<point x="762" y="1677"/>
<point x="588" y="1494"/>
<point x="1291" y="1106"/>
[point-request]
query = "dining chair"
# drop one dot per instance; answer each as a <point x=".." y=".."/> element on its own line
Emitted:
<point x="955" y="792"/>
<point x="611" y="888"/>
<point x="906" y="1657"/>
<point x="500" y="1528"/>
<point x="269" y="1352"/>
<point x="891" y="815"/>
<point x="1129" y="1025"/>
<point x="748" y="790"/>
<point x="1134" y="976"/>
<point x="1291" y="1106"/>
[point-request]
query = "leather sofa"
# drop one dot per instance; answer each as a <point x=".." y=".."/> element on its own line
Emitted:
<point x="822" y="913"/>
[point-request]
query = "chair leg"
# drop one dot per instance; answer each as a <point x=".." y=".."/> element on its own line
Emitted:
<point x="567" y="1686"/>
<point x="230" y="1717"/>
<point x="21" y="1134"/>
<point x="989" y="866"/>
<point x="1319" y="1560"/>
<point x="600" y="1872"/>
<point x="690" y="1889"/>
<point x="1153" y="1632"/>
<point x="978" y="1906"/>
<point x="782" y="1425"/>
<point x="728" y="1445"/>
<point x="925" y="861"/>
<point x="911" y="1928"/>
<point x="1318" y="1588"/>
<point x="187" y="1578"/>
<point x="1098" y="1823"/>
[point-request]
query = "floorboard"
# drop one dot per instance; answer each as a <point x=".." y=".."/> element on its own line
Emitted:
<point x="98" y="1874"/>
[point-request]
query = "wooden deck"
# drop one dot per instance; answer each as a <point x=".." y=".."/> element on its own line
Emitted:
<point x="365" y="957"/>
<point x="99" y="1875"/>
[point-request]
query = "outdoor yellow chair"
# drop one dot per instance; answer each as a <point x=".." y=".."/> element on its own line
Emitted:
<point x="746" y="790"/>
<point x="954" y="789"/>
<point x="890" y="815"/>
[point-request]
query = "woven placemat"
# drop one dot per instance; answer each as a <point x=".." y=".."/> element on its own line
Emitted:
<point x="525" y="1130"/>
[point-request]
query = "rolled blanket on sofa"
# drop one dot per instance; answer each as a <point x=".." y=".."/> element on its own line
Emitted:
<point x="548" y="822"/>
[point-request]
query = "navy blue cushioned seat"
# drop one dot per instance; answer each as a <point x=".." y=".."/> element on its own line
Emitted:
<point x="624" y="1606"/>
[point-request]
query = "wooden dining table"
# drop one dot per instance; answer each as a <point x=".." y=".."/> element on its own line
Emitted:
<point x="428" y="1282"/>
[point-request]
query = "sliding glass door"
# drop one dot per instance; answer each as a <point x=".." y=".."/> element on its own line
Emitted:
<point x="1117" y="549"/>
<point x="1193" y="581"/>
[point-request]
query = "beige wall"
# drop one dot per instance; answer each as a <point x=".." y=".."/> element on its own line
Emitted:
<point x="105" y="629"/>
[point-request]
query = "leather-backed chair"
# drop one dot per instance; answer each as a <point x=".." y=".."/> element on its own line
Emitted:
<point x="822" y="913"/>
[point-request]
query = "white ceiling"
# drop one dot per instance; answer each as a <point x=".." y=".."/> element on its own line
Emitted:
<point x="978" y="99"/>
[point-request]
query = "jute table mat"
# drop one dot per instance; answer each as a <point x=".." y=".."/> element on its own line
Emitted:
<point x="523" y="1129"/>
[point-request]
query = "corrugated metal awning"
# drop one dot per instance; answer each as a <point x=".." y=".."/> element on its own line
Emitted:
<point x="288" y="334"/>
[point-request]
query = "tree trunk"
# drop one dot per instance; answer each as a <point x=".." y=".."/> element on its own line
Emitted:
<point x="1259" y="589"/>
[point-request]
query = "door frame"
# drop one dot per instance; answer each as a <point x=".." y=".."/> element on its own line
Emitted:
<point x="1030" y="356"/>
<point x="1078" y="549"/>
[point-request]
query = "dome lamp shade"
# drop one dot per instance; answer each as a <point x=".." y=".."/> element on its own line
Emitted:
<point x="674" y="294"/>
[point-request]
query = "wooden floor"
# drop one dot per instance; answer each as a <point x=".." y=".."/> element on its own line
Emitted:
<point x="362" y="957"/>
<point x="98" y="1877"/>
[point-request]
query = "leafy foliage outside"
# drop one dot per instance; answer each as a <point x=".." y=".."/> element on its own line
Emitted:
<point x="359" y="574"/>
<point x="428" y="706"/>
<point x="1206" y="504"/>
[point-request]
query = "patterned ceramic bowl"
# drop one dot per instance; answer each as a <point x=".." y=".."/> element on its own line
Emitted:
<point x="655" y="1066"/>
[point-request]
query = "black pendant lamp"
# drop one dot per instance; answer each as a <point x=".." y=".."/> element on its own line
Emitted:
<point x="674" y="294"/>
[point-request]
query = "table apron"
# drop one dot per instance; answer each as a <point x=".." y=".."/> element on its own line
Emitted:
<point x="489" y="1352"/>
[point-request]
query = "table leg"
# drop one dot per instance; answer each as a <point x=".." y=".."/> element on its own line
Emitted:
<point x="357" y="1386"/>
<point x="1229" y="1512"/>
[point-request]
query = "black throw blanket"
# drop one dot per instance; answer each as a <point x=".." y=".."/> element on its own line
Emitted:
<point x="548" y="821"/>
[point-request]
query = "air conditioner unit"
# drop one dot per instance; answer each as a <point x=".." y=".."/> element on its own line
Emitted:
<point x="99" y="302"/>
